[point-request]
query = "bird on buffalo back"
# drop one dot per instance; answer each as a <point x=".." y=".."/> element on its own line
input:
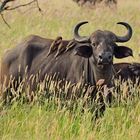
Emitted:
<point x="54" y="45"/>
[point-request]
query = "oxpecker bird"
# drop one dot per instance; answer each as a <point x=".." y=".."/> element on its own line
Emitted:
<point x="55" y="45"/>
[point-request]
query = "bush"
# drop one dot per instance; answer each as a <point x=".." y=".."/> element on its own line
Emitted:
<point x="92" y="3"/>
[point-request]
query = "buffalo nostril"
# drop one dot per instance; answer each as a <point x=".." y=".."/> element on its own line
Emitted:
<point x="110" y="57"/>
<point x="100" y="57"/>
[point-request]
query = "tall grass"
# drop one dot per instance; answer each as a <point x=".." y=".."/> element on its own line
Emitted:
<point x="50" y="116"/>
<point x="45" y="118"/>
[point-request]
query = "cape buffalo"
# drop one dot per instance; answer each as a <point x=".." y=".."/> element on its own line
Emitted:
<point x="125" y="71"/>
<point x="84" y="58"/>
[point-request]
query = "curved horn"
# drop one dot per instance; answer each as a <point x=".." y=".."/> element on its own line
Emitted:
<point x="77" y="37"/>
<point x="128" y="36"/>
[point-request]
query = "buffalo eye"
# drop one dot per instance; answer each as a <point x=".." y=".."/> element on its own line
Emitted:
<point x="93" y="44"/>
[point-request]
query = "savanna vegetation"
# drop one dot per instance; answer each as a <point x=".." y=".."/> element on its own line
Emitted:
<point x="50" y="117"/>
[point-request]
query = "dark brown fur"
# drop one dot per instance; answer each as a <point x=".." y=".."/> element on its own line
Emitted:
<point x="127" y="71"/>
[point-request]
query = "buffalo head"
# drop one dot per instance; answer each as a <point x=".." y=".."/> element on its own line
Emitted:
<point x="101" y="45"/>
<point x="99" y="48"/>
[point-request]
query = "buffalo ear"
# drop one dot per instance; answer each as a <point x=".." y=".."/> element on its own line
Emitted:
<point x="83" y="50"/>
<point x="122" y="52"/>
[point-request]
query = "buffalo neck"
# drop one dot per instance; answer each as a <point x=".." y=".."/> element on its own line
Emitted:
<point x="101" y="72"/>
